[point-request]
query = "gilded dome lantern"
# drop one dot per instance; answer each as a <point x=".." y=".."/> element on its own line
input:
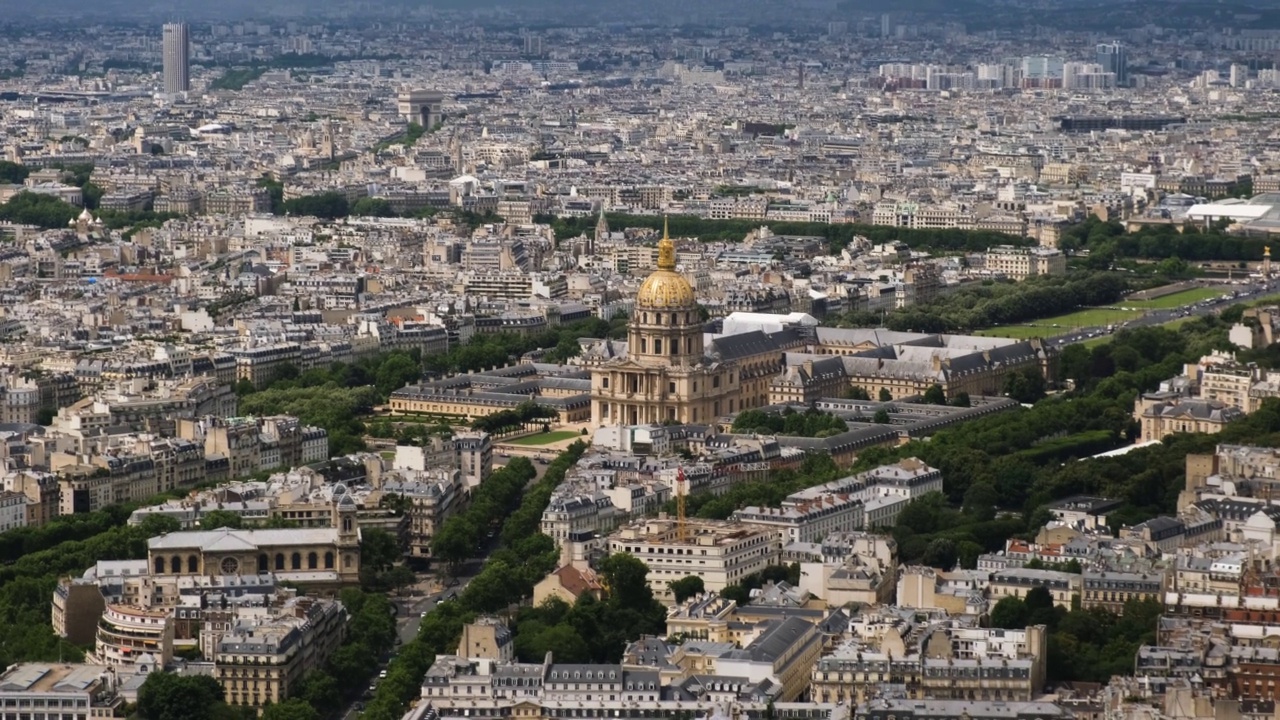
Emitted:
<point x="666" y="289"/>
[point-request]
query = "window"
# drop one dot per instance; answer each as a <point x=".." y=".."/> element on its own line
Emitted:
<point x="644" y="345"/>
<point x="671" y="387"/>
<point x="159" y="566"/>
<point x="715" y="381"/>
<point x="313" y="561"/>
<point x="193" y="564"/>
<point x="328" y="561"/>
<point x="279" y="561"/>
<point x="657" y="346"/>
<point x="296" y="561"/>
<point x="604" y="382"/>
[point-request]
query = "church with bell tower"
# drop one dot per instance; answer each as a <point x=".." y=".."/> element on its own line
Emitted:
<point x="668" y="374"/>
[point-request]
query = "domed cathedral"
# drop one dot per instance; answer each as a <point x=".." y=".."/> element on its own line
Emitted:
<point x="667" y="373"/>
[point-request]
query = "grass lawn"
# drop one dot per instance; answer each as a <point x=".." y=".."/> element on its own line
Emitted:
<point x="1020" y="332"/>
<point x="545" y="438"/>
<point x="1178" y="299"/>
<point x="1171" y="325"/>
<point x="1092" y="317"/>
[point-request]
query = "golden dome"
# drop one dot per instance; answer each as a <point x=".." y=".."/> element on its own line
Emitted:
<point x="666" y="288"/>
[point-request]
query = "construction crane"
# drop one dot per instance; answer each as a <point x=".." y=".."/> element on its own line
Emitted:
<point x="682" y="527"/>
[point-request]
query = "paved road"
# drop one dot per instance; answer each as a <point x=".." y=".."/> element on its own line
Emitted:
<point x="1159" y="317"/>
<point x="410" y="611"/>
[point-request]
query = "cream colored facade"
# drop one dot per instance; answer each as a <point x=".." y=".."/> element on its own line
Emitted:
<point x="666" y="375"/>
<point x="325" y="559"/>
<point x="960" y="663"/>
<point x="1161" y="414"/>
<point x="264" y="664"/>
<point x="1020" y="263"/>
<point x="718" y="552"/>
<point x="135" y="638"/>
<point x="1063" y="586"/>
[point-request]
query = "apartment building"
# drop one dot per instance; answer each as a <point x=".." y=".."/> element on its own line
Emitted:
<point x="13" y="510"/>
<point x="260" y="660"/>
<point x="1017" y="582"/>
<point x="855" y="673"/>
<point x="1020" y="263"/>
<point x="19" y="400"/>
<point x="261" y="365"/>
<point x="1164" y="413"/>
<point x="808" y="520"/>
<point x="932" y="709"/>
<point x="237" y="201"/>
<point x="920" y="217"/>
<point x="1110" y="590"/>
<point x="431" y="497"/>
<point x="134" y="638"/>
<point x="78" y="691"/>
<point x="721" y="553"/>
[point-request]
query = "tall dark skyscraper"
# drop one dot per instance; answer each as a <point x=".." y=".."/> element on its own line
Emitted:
<point x="1114" y="59"/>
<point x="177" y="58"/>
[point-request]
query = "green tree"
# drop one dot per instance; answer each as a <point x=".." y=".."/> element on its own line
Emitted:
<point x="46" y="211"/>
<point x="687" y="587"/>
<point x="981" y="500"/>
<point x="165" y="696"/>
<point x="941" y="553"/>
<point x="327" y="206"/>
<point x="1040" y="607"/>
<point x="563" y="642"/>
<point x="935" y="395"/>
<point x="379" y="549"/>
<point x="627" y="578"/>
<point x="857" y="392"/>
<point x="881" y="417"/>
<point x="1009" y="613"/>
<point x="215" y="519"/>
<point x="885" y="395"/>
<point x="291" y="709"/>
<point x="13" y="173"/>
<point x="1233" y="314"/>
<point x="455" y="541"/>
<point x="961" y="399"/>
<point x="276" y="191"/>
<point x="319" y="690"/>
<point x="493" y="589"/>
<point x="372" y="207"/>
<point x="92" y="195"/>
<point x="1026" y="386"/>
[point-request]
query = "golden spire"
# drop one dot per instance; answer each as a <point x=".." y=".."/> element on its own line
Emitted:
<point x="666" y="249"/>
